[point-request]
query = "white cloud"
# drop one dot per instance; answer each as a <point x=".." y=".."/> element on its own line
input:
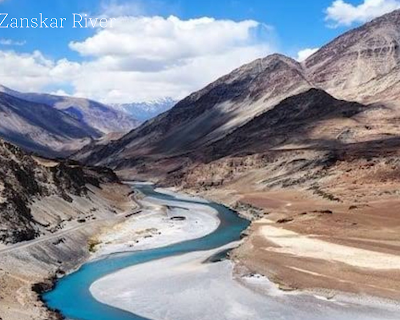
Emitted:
<point x="107" y="85"/>
<point x="146" y="58"/>
<point x="33" y="71"/>
<point x="305" y="53"/>
<point x="341" y="13"/>
<point x="157" y="43"/>
<point x="143" y="58"/>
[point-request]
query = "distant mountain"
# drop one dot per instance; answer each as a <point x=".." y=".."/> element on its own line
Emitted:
<point x="42" y="129"/>
<point x="90" y="113"/>
<point x="144" y="111"/>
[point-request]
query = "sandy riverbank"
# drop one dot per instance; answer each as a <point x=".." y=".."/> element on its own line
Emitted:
<point x="156" y="226"/>
<point x="309" y="243"/>
<point x="289" y="242"/>
<point x="185" y="287"/>
<point x="24" y="264"/>
<point x="189" y="286"/>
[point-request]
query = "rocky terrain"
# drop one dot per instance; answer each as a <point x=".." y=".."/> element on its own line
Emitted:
<point x="26" y="179"/>
<point x="309" y="149"/>
<point x="49" y="211"/>
<point x="340" y="200"/>
<point x="208" y="115"/>
<point x="360" y="65"/>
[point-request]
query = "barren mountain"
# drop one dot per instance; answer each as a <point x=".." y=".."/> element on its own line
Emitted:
<point x="49" y="211"/>
<point x="300" y="121"/>
<point x="98" y="116"/>
<point x="211" y="113"/>
<point x="40" y="128"/>
<point x="361" y="65"/>
<point x="320" y="175"/>
<point x="283" y="143"/>
<point x="26" y="181"/>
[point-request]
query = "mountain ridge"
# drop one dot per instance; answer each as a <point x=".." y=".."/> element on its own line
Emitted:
<point x="353" y="67"/>
<point x="209" y="109"/>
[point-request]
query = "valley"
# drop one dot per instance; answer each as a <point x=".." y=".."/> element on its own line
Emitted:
<point x="271" y="192"/>
<point x="188" y="275"/>
<point x="308" y="150"/>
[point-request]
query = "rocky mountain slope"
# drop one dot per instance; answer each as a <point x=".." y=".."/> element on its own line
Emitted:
<point x="320" y="176"/>
<point x="27" y="180"/>
<point x="98" y="116"/>
<point x="144" y="111"/>
<point x="283" y="143"/>
<point x="360" y="65"/>
<point x="211" y="113"/>
<point x="299" y="122"/>
<point x="40" y="128"/>
<point x="49" y="212"/>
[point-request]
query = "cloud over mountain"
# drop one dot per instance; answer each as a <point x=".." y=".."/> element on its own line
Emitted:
<point x="33" y="71"/>
<point x="143" y="58"/>
<point x="342" y="13"/>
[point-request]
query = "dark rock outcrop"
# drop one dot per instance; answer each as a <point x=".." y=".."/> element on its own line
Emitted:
<point x="23" y="179"/>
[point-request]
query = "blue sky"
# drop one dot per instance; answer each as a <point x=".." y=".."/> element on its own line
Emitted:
<point x="298" y="24"/>
<point x="145" y="58"/>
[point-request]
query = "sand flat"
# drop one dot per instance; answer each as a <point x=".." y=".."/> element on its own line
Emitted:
<point x="153" y="227"/>
<point x="183" y="287"/>
<point x="290" y="242"/>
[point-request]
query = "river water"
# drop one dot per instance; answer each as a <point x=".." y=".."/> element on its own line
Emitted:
<point x="214" y="294"/>
<point x="72" y="297"/>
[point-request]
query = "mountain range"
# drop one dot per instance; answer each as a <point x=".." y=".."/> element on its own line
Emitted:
<point x="40" y="128"/>
<point x="361" y="66"/>
<point x="56" y="125"/>
<point x="309" y="150"/>
<point x="99" y="116"/>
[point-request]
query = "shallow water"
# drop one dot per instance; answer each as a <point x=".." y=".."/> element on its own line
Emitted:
<point x="72" y="297"/>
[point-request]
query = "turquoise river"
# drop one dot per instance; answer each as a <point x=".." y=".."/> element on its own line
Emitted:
<point x="71" y="295"/>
